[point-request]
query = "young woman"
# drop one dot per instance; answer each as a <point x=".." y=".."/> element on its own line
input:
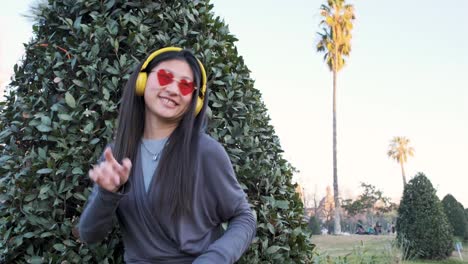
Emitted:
<point x="169" y="183"/>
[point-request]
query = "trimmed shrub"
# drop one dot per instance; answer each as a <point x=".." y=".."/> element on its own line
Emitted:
<point x="314" y="225"/>
<point x="422" y="225"/>
<point x="60" y="112"/>
<point x="466" y="228"/>
<point x="455" y="214"/>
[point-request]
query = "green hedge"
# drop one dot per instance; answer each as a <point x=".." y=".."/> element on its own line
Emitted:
<point x="60" y="112"/>
<point x="314" y="225"/>
<point x="455" y="214"/>
<point x="422" y="226"/>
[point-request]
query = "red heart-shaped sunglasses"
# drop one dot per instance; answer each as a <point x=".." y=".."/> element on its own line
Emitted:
<point x="165" y="78"/>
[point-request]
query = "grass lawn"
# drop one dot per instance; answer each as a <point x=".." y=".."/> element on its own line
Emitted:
<point x="366" y="246"/>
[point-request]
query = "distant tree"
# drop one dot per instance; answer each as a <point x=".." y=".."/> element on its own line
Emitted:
<point x="312" y="203"/>
<point x="371" y="200"/>
<point x="399" y="150"/>
<point x="455" y="214"/>
<point x="316" y="204"/>
<point x="326" y="207"/>
<point x="370" y="204"/>
<point x="335" y="42"/>
<point x="422" y="226"/>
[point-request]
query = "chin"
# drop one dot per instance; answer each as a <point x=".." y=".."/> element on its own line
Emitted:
<point x="170" y="117"/>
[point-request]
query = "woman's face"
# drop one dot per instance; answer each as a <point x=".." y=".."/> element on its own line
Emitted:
<point x="168" y="91"/>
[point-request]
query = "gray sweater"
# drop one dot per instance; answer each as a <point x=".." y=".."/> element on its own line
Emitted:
<point x="150" y="236"/>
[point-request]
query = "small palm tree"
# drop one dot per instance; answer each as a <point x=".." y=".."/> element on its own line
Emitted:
<point x="399" y="150"/>
<point x="335" y="42"/>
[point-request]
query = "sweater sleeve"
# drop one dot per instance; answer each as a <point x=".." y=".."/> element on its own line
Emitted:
<point x="232" y="206"/>
<point x="96" y="221"/>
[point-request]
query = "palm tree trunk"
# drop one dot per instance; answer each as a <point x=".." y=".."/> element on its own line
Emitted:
<point x="403" y="173"/>
<point x="337" y="229"/>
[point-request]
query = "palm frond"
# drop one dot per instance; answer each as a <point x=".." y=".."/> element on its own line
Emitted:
<point x="399" y="149"/>
<point x="336" y="25"/>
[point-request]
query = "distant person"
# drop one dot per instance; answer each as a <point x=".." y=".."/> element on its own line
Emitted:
<point x="360" y="230"/>
<point x="378" y="228"/>
<point x="324" y="231"/>
<point x="393" y="228"/>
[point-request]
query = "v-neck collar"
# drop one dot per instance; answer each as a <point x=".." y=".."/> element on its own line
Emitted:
<point x="145" y="200"/>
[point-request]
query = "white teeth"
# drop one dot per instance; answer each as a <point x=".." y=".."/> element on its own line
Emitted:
<point x="168" y="102"/>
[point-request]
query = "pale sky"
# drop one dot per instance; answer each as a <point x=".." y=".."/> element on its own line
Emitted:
<point x="407" y="76"/>
<point x="14" y="30"/>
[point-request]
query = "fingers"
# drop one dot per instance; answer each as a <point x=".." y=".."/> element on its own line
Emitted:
<point x="126" y="168"/>
<point x="116" y="180"/>
<point x="104" y="176"/>
<point x="109" y="156"/>
<point x="109" y="159"/>
<point x="113" y="162"/>
<point x="109" y="174"/>
<point x="92" y="174"/>
<point x="110" y="177"/>
<point x="126" y="165"/>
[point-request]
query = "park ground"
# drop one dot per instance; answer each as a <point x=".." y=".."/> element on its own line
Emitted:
<point x="365" y="247"/>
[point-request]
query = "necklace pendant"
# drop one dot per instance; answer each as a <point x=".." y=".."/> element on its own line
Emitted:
<point x="155" y="157"/>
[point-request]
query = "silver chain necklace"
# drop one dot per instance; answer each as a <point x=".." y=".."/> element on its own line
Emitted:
<point x="155" y="155"/>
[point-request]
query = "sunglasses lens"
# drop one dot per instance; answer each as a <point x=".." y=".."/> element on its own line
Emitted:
<point x="185" y="87"/>
<point x="165" y="77"/>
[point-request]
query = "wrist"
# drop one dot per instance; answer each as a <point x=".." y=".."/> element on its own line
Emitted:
<point x="118" y="189"/>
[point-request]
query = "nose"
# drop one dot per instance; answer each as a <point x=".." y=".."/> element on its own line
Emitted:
<point x="173" y="88"/>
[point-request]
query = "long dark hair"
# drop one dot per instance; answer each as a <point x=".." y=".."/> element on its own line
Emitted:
<point x="177" y="165"/>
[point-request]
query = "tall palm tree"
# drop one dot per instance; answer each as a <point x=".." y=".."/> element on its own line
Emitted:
<point x="335" y="42"/>
<point x="399" y="150"/>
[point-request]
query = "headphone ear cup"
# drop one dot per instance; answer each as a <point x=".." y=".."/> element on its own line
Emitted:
<point x="199" y="106"/>
<point x="141" y="83"/>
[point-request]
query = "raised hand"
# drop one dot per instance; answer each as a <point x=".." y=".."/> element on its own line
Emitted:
<point x="110" y="174"/>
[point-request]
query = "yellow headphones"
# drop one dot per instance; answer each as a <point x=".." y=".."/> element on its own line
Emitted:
<point x="143" y="77"/>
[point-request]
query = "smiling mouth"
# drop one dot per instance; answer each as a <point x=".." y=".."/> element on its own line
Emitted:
<point x="168" y="102"/>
